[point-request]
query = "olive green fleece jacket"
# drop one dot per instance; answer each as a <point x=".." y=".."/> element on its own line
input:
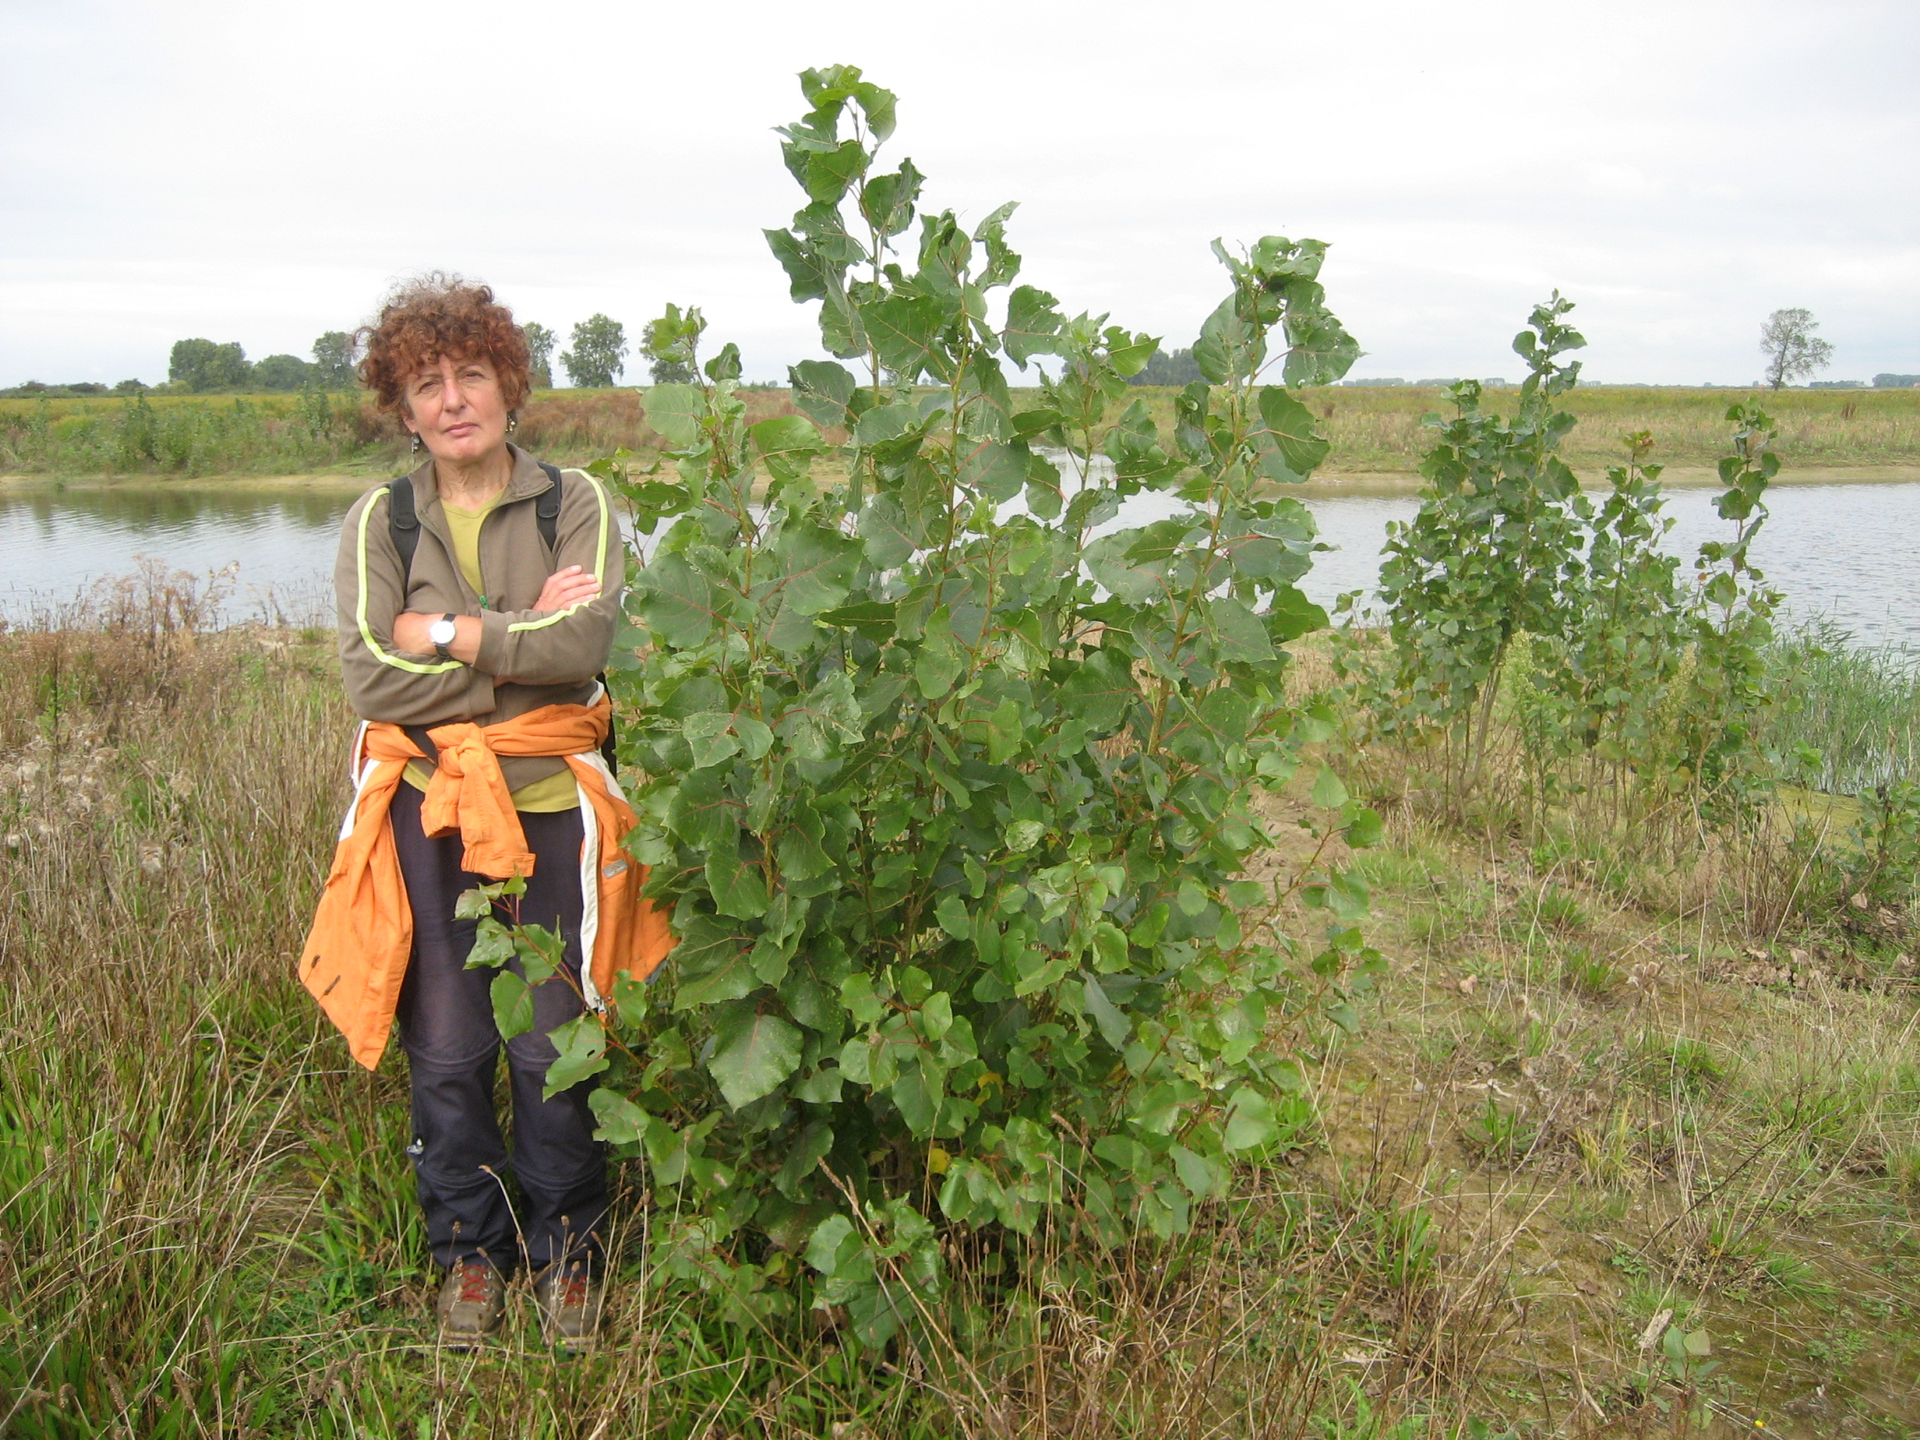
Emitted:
<point x="528" y="658"/>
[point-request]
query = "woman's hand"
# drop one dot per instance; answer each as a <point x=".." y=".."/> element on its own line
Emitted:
<point x="570" y="586"/>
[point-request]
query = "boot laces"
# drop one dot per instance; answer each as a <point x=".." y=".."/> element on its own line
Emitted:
<point x="571" y="1289"/>
<point x="473" y="1282"/>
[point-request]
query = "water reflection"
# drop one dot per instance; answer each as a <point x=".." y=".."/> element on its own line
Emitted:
<point x="1840" y="550"/>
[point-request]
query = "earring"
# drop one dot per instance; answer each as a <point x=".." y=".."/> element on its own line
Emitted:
<point x="513" y="421"/>
<point x="413" y="446"/>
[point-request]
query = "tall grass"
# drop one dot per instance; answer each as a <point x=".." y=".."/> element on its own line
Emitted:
<point x="1856" y="708"/>
<point x="207" y="1213"/>
<point x="1372" y="429"/>
<point x="1581" y="1103"/>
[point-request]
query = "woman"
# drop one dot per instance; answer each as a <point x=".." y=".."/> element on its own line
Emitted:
<point x="475" y="612"/>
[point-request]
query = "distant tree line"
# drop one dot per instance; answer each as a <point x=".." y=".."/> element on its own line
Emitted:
<point x="199" y="366"/>
<point x="1179" y="368"/>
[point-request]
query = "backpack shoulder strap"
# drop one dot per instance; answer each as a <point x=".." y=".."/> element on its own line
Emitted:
<point x="546" y="508"/>
<point x="403" y="525"/>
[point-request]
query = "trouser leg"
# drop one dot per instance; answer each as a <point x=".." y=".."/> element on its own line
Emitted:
<point x="560" y="1166"/>
<point x="447" y="1028"/>
<point x="453" y="1047"/>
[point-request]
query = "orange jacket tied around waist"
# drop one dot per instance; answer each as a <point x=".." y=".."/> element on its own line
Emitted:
<point x="356" y="955"/>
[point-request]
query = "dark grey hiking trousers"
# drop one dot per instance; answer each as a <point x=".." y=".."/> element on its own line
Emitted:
<point x="447" y="1029"/>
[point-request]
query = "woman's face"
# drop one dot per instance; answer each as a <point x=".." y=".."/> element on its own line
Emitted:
<point x="457" y="410"/>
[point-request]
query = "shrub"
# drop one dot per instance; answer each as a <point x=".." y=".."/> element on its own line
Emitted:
<point x="951" y="787"/>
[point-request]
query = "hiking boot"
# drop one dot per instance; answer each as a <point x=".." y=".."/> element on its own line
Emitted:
<point x="472" y="1299"/>
<point x="572" y="1300"/>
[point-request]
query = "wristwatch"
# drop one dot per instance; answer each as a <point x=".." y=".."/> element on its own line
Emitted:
<point x="441" y="633"/>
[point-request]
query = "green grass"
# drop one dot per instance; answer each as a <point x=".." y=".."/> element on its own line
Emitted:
<point x="1373" y="430"/>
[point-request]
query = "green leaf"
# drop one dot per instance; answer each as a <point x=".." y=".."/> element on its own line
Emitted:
<point x="621" y="1121"/>
<point x="1023" y="835"/>
<point x="1364" y="830"/>
<point x="995" y="469"/>
<point x="1100" y="690"/>
<point x="822" y="388"/>
<point x="582" y="1044"/>
<point x="738" y="889"/>
<point x="829" y="1244"/>
<point x="951" y="912"/>
<point x="1329" y="791"/>
<point x="710" y="738"/>
<point x="1115" y="1026"/>
<point x="815" y="1140"/>
<point x="883" y="526"/>
<point x="1201" y="1177"/>
<point x="1238" y="632"/>
<point x="1251" y="1123"/>
<point x="1292" y="615"/>
<point x="1109" y="561"/>
<point x="752" y="1055"/>
<point x="905" y="332"/>
<point x="675" y="602"/>
<point x="1286" y="445"/>
<point x="828" y="174"/>
<point x="819" y="566"/>
<point x="786" y="437"/>
<point x="1033" y="325"/>
<point x="1227" y="349"/>
<point x="675" y="411"/>
<point x="875" y="619"/>
<point x="512" y="1005"/>
<point x="711" y="964"/>
<point x="492" y="946"/>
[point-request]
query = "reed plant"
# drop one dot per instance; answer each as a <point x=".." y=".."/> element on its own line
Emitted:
<point x="1852" y="710"/>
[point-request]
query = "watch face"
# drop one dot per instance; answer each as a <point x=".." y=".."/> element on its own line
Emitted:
<point x="441" y="632"/>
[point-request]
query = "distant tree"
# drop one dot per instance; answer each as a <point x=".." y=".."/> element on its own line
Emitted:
<point x="540" y="343"/>
<point x="203" y="365"/>
<point x="334" y="356"/>
<point x="668" y="345"/>
<point x="283" y="372"/>
<point x="598" y="355"/>
<point x="130" y="387"/>
<point x="1793" y="351"/>
<point x="1179" y="368"/>
<point x="1886" y="381"/>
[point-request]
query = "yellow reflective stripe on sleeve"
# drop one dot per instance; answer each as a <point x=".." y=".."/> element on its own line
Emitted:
<point x="437" y="667"/>
<point x="599" y="561"/>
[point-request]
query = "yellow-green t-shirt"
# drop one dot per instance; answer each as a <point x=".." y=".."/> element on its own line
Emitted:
<point x="542" y="797"/>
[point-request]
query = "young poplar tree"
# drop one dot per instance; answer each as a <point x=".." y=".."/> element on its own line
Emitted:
<point x="951" y="785"/>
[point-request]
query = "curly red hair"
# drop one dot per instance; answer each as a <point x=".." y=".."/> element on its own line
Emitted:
<point x="437" y="315"/>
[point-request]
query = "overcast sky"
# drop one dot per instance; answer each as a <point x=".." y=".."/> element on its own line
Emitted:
<point x="261" y="172"/>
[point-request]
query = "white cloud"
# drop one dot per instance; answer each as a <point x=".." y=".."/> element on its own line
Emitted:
<point x="261" y="173"/>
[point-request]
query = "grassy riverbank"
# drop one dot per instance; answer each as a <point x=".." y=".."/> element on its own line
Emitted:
<point x="1593" y="1091"/>
<point x="1375" y="431"/>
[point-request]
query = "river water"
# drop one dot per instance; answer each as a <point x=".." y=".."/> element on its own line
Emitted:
<point x="1843" y="551"/>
